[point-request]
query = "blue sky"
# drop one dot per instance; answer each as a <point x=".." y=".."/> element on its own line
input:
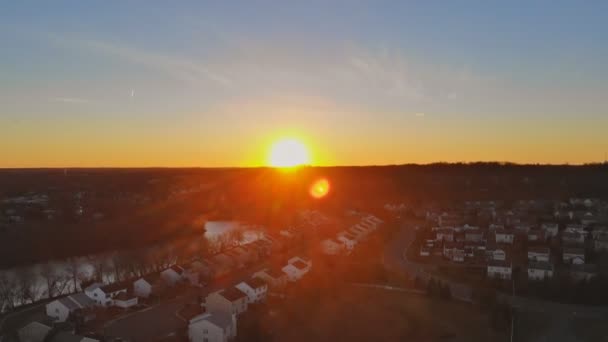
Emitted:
<point x="141" y="83"/>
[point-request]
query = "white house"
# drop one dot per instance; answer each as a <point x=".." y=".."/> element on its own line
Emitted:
<point x="332" y="247"/>
<point x="550" y="229"/>
<point x="573" y="237"/>
<point x="504" y="236"/>
<point x="574" y="256"/>
<point x="37" y="332"/>
<point x="147" y="285"/>
<point x="275" y="277"/>
<point x="601" y="243"/>
<point x="540" y="270"/>
<point x="499" y="254"/>
<point x="473" y="236"/>
<point x="172" y="275"/>
<point x="103" y="295"/>
<point x="61" y="308"/>
<point x="348" y="240"/>
<point x="522" y="228"/>
<point x="575" y="228"/>
<point x="539" y="254"/>
<point x="296" y="268"/>
<point x="212" y="327"/>
<point x="425" y="251"/>
<point x="255" y="288"/>
<point x="445" y="234"/>
<point x="230" y="301"/>
<point x="536" y="235"/>
<point x="125" y="300"/>
<point x="499" y="269"/>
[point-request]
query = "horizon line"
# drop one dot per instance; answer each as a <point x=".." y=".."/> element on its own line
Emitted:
<point x="500" y="163"/>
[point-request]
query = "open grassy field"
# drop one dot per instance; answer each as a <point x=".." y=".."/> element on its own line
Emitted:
<point x="357" y="314"/>
<point x="559" y="327"/>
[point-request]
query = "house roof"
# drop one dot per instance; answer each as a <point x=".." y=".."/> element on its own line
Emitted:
<point x="68" y="303"/>
<point x="256" y="283"/>
<point x="220" y="319"/>
<point x="539" y="249"/>
<point x="275" y="272"/>
<point x="500" y="263"/>
<point x="541" y="265"/>
<point x="178" y="269"/>
<point x="152" y="278"/>
<point x="35" y="330"/>
<point x="572" y="250"/>
<point x="300" y="264"/>
<point x="124" y="296"/>
<point x="232" y="294"/>
<point x="114" y="287"/>
<point x="64" y="336"/>
<point x="82" y="299"/>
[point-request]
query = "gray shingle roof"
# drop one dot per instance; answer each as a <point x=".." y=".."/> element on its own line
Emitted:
<point x="220" y="319"/>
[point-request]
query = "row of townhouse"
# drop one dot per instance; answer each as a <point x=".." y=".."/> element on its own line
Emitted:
<point x="346" y="240"/>
<point x="222" y="308"/>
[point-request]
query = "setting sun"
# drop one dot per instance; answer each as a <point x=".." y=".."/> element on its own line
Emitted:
<point x="288" y="153"/>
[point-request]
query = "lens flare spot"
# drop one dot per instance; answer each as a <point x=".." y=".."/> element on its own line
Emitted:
<point x="319" y="188"/>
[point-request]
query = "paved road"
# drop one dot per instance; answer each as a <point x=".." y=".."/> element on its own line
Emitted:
<point x="395" y="258"/>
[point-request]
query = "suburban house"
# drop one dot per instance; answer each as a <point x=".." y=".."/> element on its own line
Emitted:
<point x="536" y="235"/>
<point x="582" y="271"/>
<point x="499" y="269"/>
<point x="504" y="236"/>
<point x="61" y="308"/>
<point x="522" y="228"/>
<point x="452" y="249"/>
<point x="445" y="234"/>
<point x="498" y="254"/>
<point x="296" y="268"/>
<point x="575" y="228"/>
<point x="103" y="295"/>
<point x="540" y="270"/>
<point x="148" y="285"/>
<point x="550" y="229"/>
<point x="573" y="256"/>
<point x="573" y="238"/>
<point x="212" y="327"/>
<point x="125" y="300"/>
<point x="539" y="254"/>
<point x="425" y="251"/>
<point x="348" y="240"/>
<point x="332" y="247"/>
<point x="473" y="236"/>
<point x="255" y="288"/>
<point x="172" y="275"/>
<point x="600" y="243"/>
<point x="273" y="276"/>
<point x="39" y="332"/>
<point x="230" y="301"/>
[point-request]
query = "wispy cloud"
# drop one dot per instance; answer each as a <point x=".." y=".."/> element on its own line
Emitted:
<point x="420" y="114"/>
<point x="72" y="100"/>
<point x="181" y="69"/>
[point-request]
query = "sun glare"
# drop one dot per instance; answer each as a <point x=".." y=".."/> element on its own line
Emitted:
<point x="288" y="153"/>
<point x="320" y="188"/>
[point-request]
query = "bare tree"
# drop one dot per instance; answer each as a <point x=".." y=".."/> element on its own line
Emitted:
<point x="7" y="291"/>
<point x="52" y="278"/>
<point x="28" y="288"/>
<point x="73" y="270"/>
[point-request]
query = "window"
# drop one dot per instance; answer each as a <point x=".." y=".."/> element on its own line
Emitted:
<point x="205" y="331"/>
<point x="95" y="294"/>
<point x="56" y="310"/>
